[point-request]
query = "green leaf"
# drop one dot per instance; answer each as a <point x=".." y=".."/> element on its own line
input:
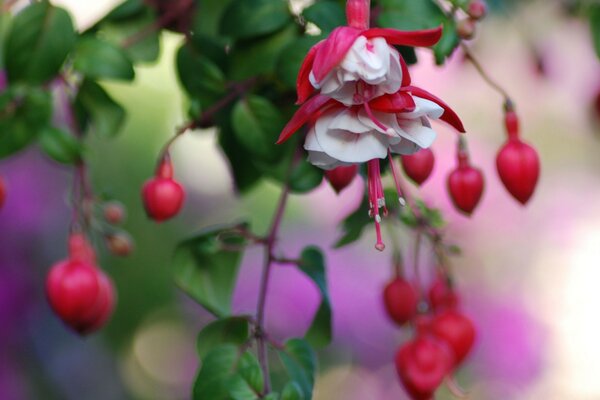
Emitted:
<point x="245" y="19"/>
<point x="257" y="124"/>
<point x="219" y="379"/>
<point x="106" y="116"/>
<point x="61" y="146"/>
<point x="448" y="43"/>
<point x="96" y="58"/>
<point x="207" y="271"/>
<point x="40" y="38"/>
<point x="354" y="224"/>
<point x="121" y="32"/>
<point x="250" y="58"/>
<point x="305" y="177"/>
<point x="425" y="14"/>
<point x="5" y="21"/>
<point x="312" y="263"/>
<point x="200" y="77"/>
<point x="327" y="15"/>
<point x="245" y="174"/>
<point x="300" y="363"/>
<point x="292" y="391"/>
<point x="125" y="10"/>
<point x="594" y="14"/>
<point x="250" y="370"/>
<point x="233" y="330"/>
<point x="24" y="115"/>
<point x="291" y="59"/>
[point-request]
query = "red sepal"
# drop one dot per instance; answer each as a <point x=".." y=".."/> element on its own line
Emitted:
<point x="307" y="111"/>
<point x="449" y="115"/>
<point x="393" y="103"/>
<point x="303" y="86"/>
<point x="333" y="50"/>
<point x="422" y="38"/>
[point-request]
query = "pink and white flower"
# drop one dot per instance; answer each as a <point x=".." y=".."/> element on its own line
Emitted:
<point x="367" y="108"/>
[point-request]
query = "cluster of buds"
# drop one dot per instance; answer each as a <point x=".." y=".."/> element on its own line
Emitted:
<point x="442" y="336"/>
<point x="78" y="291"/>
<point x="367" y="108"/>
<point x="118" y="242"/>
<point x="476" y="10"/>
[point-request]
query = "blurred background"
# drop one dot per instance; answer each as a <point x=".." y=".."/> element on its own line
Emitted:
<point x="529" y="277"/>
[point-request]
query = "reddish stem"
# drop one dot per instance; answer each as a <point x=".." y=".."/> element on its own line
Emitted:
<point x="358" y="13"/>
<point x="264" y="285"/>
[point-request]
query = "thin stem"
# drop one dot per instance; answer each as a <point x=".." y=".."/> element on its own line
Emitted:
<point x="162" y="22"/>
<point x="417" y="270"/>
<point x="264" y="285"/>
<point x="484" y="74"/>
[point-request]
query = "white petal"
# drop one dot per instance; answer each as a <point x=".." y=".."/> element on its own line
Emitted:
<point x="311" y="143"/>
<point x="323" y="161"/>
<point x="418" y="131"/>
<point x="345" y="120"/>
<point x="386" y="119"/>
<point x="352" y="147"/>
<point x="405" y="147"/>
<point x="424" y="108"/>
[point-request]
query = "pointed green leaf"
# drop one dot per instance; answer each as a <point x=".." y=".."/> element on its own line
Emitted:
<point x="312" y="263"/>
<point x="257" y="124"/>
<point x="291" y="58"/>
<point x="105" y="115"/>
<point x="40" y="38"/>
<point x="300" y="363"/>
<point x="251" y="18"/>
<point x="292" y="391"/>
<point x="61" y="146"/>
<point x="219" y="378"/>
<point x="24" y="115"/>
<point x="234" y="330"/>
<point x="327" y="15"/>
<point x="97" y="58"/>
<point x="207" y="270"/>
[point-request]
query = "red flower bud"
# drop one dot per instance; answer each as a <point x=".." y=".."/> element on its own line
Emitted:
<point x="477" y="9"/>
<point x="465" y="184"/>
<point x="418" y="166"/>
<point x="457" y="330"/>
<point x="422" y="365"/>
<point x="80" y="294"/>
<point x="517" y="162"/>
<point x="441" y="295"/>
<point x="401" y="300"/>
<point x="2" y="192"/>
<point x="119" y="244"/>
<point x="114" y="212"/>
<point x="162" y="195"/>
<point x="339" y="178"/>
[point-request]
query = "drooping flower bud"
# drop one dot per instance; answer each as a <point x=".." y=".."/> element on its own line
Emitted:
<point x="457" y="331"/>
<point x="517" y="162"/>
<point x="120" y="244"/>
<point x="80" y="293"/>
<point x="418" y="166"/>
<point x="339" y="178"/>
<point x="422" y="364"/>
<point x="114" y="212"/>
<point x="477" y="9"/>
<point x="162" y="195"/>
<point x="465" y="183"/>
<point x="400" y="299"/>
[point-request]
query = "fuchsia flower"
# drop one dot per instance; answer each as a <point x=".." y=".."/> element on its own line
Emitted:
<point x="367" y="108"/>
